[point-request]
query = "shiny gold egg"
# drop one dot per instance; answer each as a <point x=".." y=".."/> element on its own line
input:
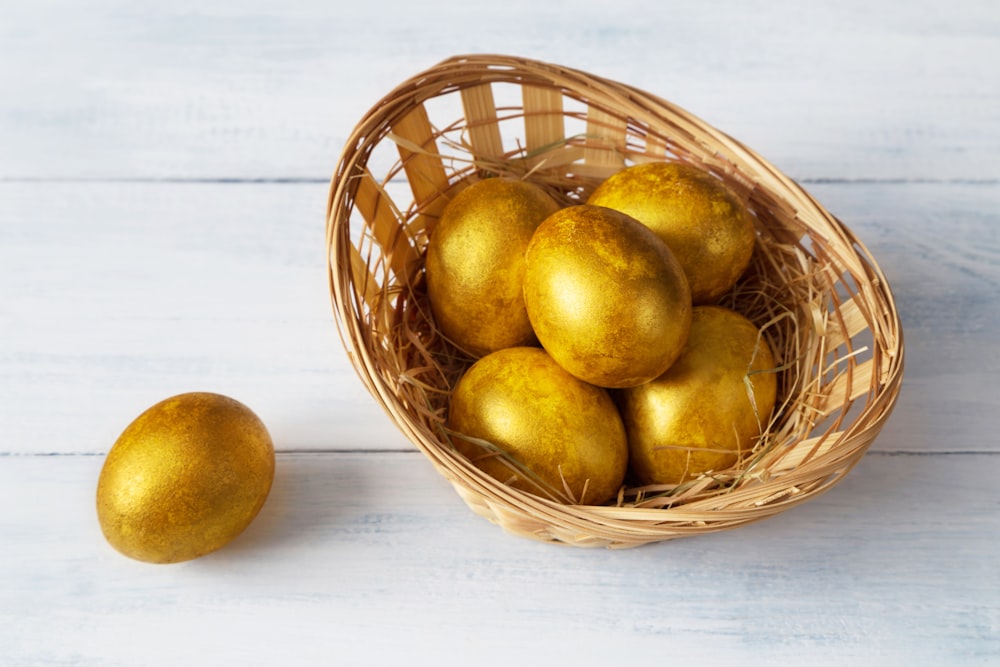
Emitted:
<point x="606" y="296"/>
<point x="707" y="411"/>
<point x="184" y="478"/>
<point x="475" y="263"/>
<point x="530" y="424"/>
<point x="709" y="230"/>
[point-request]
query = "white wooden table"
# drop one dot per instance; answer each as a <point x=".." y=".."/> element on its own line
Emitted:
<point x="163" y="179"/>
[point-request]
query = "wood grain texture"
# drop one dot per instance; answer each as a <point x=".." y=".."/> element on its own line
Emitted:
<point x="939" y="246"/>
<point x="218" y="89"/>
<point x="135" y="292"/>
<point x="163" y="177"/>
<point x="131" y="292"/>
<point x="369" y="559"/>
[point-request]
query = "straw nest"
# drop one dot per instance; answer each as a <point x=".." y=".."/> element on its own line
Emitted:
<point x="816" y="292"/>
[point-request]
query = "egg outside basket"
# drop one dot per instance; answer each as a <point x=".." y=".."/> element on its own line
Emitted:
<point x="818" y="295"/>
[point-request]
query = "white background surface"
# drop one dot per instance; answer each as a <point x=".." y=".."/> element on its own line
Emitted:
<point x="163" y="179"/>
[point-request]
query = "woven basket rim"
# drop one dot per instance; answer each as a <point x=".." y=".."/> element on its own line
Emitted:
<point x="816" y="464"/>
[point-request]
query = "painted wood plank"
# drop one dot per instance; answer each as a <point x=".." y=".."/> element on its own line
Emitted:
<point x="116" y="293"/>
<point x="119" y="294"/>
<point x="371" y="559"/>
<point x="939" y="246"/>
<point x="220" y="89"/>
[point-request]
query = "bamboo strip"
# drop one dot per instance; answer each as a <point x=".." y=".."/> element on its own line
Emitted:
<point x="605" y="131"/>
<point x="481" y="114"/>
<point x="389" y="232"/>
<point x="543" y="117"/>
<point x="423" y="166"/>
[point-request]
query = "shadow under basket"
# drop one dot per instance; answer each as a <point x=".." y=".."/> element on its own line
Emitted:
<point x="818" y="295"/>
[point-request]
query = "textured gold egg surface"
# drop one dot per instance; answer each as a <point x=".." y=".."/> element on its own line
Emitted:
<point x="184" y="478"/>
<point x="606" y="297"/>
<point x="475" y="263"/>
<point x="567" y="433"/>
<point x="709" y="230"/>
<point x="708" y="409"/>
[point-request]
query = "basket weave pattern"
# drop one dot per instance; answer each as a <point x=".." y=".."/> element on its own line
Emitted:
<point x="813" y="288"/>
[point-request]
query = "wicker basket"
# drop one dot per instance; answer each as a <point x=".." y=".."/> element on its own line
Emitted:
<point x="817" y="293"/>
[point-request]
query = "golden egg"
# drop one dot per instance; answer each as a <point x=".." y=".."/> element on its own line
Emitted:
<point x="534" y="426"/>
<point x="707" y="411"/>
<point x="184" y="478"/>
<point x="709" y="230"/>
<point x="475" y="263"/>
<point x="606" y="297"/>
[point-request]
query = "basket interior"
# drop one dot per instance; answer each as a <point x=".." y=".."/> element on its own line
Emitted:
<point x="818" y="296"/>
